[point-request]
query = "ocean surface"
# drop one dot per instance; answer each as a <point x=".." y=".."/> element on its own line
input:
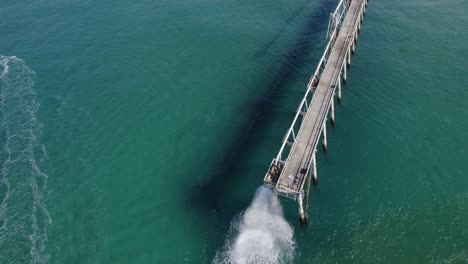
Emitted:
<point x="140" y="131"/>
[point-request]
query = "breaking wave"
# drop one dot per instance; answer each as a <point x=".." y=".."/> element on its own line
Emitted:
<point x="260" y="234"/>
<point x="23" y="215"/>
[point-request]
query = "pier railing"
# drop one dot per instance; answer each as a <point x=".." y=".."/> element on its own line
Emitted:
<point x="336" y="18"/>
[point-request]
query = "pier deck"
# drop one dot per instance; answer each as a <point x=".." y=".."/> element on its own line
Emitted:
<point x="290" y="175"/>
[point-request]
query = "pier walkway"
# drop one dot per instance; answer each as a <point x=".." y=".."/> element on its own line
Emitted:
<point x="295" y="164"/>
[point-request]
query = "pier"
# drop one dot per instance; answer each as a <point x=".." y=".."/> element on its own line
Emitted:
<point x="293" y="168"/>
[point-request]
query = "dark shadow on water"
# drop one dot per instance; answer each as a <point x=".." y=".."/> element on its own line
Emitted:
<point x="288" y="21"/>
<point x="208" y="197"/>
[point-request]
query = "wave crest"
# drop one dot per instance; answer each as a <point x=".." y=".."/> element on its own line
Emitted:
<point x="23" y="215"/>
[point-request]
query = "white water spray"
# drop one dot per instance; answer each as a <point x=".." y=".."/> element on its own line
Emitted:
<point x="260" y="234"/>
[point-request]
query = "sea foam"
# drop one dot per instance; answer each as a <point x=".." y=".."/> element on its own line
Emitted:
<point x="23" y="215"/>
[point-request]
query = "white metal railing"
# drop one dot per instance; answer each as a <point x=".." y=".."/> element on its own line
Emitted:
<point x="337" y="17"/>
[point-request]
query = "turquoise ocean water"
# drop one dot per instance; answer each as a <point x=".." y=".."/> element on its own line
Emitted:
<point x="139" y="131"/>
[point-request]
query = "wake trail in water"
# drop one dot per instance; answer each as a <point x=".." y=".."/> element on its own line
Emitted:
<point x="23" y="215"/>
<point x="260" y="234"/>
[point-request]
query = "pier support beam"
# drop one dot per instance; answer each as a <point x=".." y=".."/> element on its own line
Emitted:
<point x="344" y="72"/>
<point x="332" y="111"/>
<point x="339" y="89"/>
<point x="314" y="168"/>
<point x="353" y="45"/>
<point x="324" y="136"/>
<point x="349" y="56"/>
<point x="302" y="214"/>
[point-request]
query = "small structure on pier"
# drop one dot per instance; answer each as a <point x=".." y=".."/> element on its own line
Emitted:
<point x="293" y="168"/>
